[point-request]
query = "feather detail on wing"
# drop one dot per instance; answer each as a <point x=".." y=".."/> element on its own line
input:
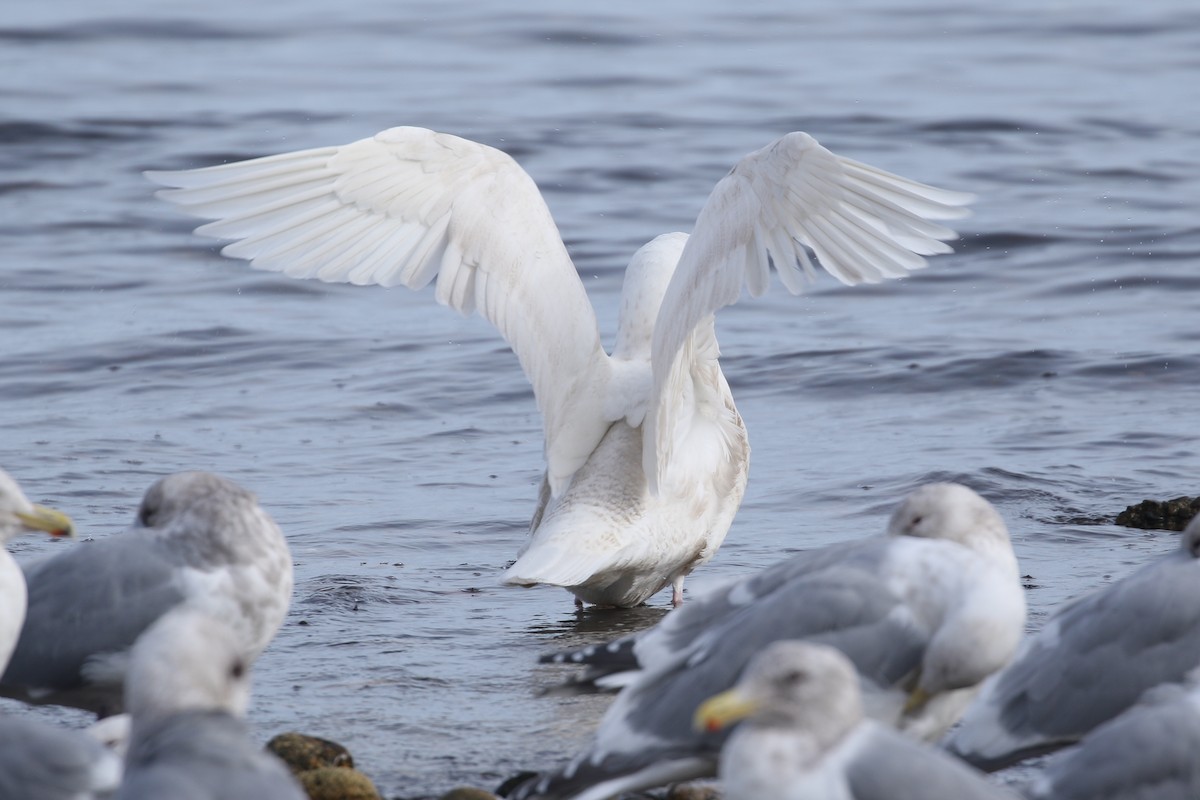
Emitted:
<point x="863" y="224"/>
<point x="405" y="207"/>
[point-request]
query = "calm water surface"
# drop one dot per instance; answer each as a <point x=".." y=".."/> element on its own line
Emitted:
<point x="1053" y="362"/>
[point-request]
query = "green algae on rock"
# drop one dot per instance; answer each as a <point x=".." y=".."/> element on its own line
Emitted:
<point x="337" y="783"/>
<point x="301" y="752"/>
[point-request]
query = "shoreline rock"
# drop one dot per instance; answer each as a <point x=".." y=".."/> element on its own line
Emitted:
<point x="324" y="768"/>
<point x="1166" y="515"/>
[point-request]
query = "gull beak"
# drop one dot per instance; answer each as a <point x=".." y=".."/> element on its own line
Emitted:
<point x="917" y="699"/>
<point x="724" y="709"/>
<point x="45" y="519"/>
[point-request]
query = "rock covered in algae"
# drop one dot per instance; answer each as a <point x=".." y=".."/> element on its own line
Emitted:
<point x="325" y="769"/>
<point x="301" y="752"/>
<point x="337" y="783"/>
<point x="1167" y="515"/>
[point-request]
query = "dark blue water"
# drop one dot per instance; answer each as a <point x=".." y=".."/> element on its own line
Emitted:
<point x="1053" y="362"/>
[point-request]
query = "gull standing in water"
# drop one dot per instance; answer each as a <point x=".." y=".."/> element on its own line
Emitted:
<point x="646" y="454"/>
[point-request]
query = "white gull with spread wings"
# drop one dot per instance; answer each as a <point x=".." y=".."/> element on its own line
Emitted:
<point x="646" y="455"/>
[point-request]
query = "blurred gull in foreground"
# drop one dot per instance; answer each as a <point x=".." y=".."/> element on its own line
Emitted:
<point x="805" y="736"/>
<point x="1148" y="751"/>
<point x="199" y="540"/>
<point x="18" y="515"/>
<point x="39" y="761"/>
<point x="646" y="454"/>
<point x="1091" y="661"/>
<point x="925" y="612"/>
<point x="187" y="688"/>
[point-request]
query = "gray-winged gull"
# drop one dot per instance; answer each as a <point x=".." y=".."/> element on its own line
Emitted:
<point x="646" y="455"/>
<point x="199" y="540"/>
<point x="187" y="688"/>
<point x="805" y="737"/>
<point x="1149" y="751"/>
<point x="39" y="761"/>
<point x="1090" y="662"/>
<point x="925" y="613"/>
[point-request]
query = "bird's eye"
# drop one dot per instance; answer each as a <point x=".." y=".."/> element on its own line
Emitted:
<point x="793" y="677"/>
<point x="918" y="519"/>
<point x="238" y="669"/>
<point x="145" y="516"/>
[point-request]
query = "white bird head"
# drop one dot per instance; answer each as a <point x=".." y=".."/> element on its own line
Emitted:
<point x="17" y="514"/>
<point x="955" y="513"/>
<point x="790" y="684"/>
<point x="646" y="280"/>
<point x="187" y="661"/>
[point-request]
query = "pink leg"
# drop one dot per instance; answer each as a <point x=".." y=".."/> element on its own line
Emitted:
<point x="677" y="592"/>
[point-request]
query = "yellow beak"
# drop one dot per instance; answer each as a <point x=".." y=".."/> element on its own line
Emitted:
<point x="917" y="699"/>
<point x="53" y="522"/>
<point x="722" y="710"/>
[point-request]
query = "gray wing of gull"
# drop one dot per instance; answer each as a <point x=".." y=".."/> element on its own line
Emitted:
<point x="843" y="607"/>
<point x="681" y="629"/>
<point x="893" y="767"/>
<point x="95" y="599"/>
<point x="1094" y="659"/>
<point x="650" y="722"/>
<point x="1149" y="751"/>
<point x="204" y="755"/>
<point x="39" y="761"/>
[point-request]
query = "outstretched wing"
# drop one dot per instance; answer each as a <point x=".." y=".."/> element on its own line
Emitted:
<point x="863" y="224"/>
<point x="404" y="207"/>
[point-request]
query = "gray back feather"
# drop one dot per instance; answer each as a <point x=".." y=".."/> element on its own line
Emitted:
<point x="41" y="762"/>
<point x="203" y="755"/>
<point x="1113" y="645"/>
<point x="96" y="598"/>
<point x="893" y="767"/>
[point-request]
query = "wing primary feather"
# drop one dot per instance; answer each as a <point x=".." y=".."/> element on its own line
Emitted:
<point x="330" y="260"/>
<point x="907" y="199"/>
<point x="891" y="260"/>
<point x="376" y="258"/>
<point x="296" y="210"/>
<point x="889" y="218"/>
<point x="213" y="201"/>
<point x="836" y="260"/>
<point x="239" y="171"/>
<point x="354" y="264"/>
<point x="392" y="263"/>
<point x="278" y="241"/>
<point x="951" y="201"/>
